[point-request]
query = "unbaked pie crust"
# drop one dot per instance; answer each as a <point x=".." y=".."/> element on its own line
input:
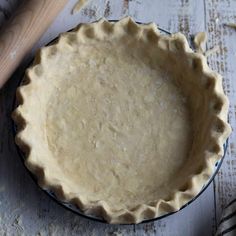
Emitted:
<point x="122" y="121"/>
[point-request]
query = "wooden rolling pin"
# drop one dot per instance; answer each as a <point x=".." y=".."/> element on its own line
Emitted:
<point x="23" y="30"/>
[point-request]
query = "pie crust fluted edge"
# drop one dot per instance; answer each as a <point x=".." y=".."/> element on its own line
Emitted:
<point x="192" y="186"/>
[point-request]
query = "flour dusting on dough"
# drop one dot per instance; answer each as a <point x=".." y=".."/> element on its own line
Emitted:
<point x="79" y="5"/>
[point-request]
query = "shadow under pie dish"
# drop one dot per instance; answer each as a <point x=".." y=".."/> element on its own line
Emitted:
<point x="122" y="121"/>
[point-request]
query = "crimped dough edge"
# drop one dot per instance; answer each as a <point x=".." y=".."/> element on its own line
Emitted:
<point x="191" y="186"/>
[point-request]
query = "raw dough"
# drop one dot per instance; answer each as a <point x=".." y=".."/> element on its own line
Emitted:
<point x="119" y="118"/>
<point x="122" y="121"/>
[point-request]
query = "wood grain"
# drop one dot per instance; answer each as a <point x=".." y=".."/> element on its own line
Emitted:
<point x="224" y="62"/>
<point x="22" y="31"/>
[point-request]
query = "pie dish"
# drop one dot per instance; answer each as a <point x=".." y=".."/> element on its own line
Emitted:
<point x="122" y="121"/>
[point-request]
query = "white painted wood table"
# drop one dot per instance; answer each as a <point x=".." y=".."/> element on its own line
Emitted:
<point x="25" y="210"/>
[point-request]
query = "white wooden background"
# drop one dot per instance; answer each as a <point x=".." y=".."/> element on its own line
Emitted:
<point x="25" y="210"/>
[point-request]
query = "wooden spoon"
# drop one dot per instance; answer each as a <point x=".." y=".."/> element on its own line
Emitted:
<point x="23" y="30"/>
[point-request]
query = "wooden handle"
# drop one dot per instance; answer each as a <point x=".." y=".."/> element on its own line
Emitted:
<point x="23" y="30"/>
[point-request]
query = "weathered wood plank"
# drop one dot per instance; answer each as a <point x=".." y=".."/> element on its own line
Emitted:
<point x="24" y="209"/>
<point x="187" y="17"/>
<point x="218" y="13"/>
